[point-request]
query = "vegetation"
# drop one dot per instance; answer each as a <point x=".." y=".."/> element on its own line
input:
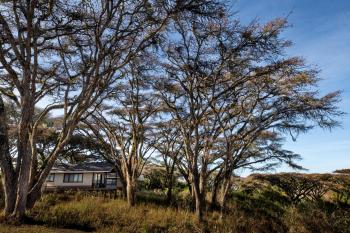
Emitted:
<point x="263" y="209"/>
<point x="66" y="56"/>
<point x="179" y="85"/>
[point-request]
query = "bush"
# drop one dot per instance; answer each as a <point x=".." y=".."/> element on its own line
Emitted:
<point x="341" y="189"/>
<point x="313" y="218"/>
<point x="297" y="187"/>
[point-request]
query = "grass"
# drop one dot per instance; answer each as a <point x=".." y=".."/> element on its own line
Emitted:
<point x="34" y="229"/>
<point x="258" y="210"/>
<point x="99" y="214"/>
<point x="255" y="213"/>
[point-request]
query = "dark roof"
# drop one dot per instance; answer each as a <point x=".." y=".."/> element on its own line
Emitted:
<point x="84" y="167"/>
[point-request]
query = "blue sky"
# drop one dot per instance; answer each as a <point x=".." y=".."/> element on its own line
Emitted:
<point x="320" y="31"/>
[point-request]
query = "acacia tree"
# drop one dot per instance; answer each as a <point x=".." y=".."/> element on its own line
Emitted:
<point x="263" y="153"/>
<point x="233" y="84"/>
<point x="64" y="55"/>
<point x="168" y="144"/>
<point x="127" y="127"/>
<point x="296" y="186"/>
<point x="274" y="98"/>
<point x="187" y="88"/>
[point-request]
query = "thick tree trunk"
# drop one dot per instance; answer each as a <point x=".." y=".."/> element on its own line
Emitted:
<point x="9" y="187"/>
<point x="170" y="182"/>
<point x="22" y="189"/>
<point x="131" y="190"/>
<point x="8" y="173"/>
<point x="199" y="198"/>
<point x="24" y="152"/>
<point x="214" y="195"/>
<point x="199" y="204"/>
<point x="224" y="191"/>
<point x="33" y="196"/>
<point x="214" y="192"/>
<point x="124" y="192"/>
<point x="169" y="194"/>
<point x="10" y="200"/>
<point x="193" y="196"/>
<point x="122" y="179"/>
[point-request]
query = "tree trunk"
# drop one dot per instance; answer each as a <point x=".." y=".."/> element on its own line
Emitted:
<point x="199" y="199"/>
<point x="225" y="188"/>
<point x="130" y="190"/>
<point x="10" y="198"/>
<point x="199" y="204"/>
<point x="124" y="192"/>
<point x="22" y="189"/>
<point x="119" y="171"/>
<point x="169" y="194"/>
<point x="124" y="186"/>
<point x="214" y="195"/>
<point x="8" y="173"/>
<point x="33" y="196"/>
<point x="9" y="184"/>
<point x="24" y="154"/>
<point x="214" y="192"/>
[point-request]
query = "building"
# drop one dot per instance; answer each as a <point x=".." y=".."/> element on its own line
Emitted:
<point x="87" y="176"/>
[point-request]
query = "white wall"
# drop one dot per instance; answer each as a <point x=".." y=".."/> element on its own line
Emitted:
<point x="58" y="181"/>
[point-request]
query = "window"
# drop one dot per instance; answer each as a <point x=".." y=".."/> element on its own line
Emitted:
<point x="73" y="178"/>
<point x="111" y="181"/>
<point x="98" y="178"/>
<point x="51" y="177"/>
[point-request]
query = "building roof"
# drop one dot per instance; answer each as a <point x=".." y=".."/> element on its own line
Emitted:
<point x="82" y="167"/>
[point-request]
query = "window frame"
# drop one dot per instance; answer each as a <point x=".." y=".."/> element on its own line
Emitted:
<point x="73" y="180"/>
<point x="51" y="175"/>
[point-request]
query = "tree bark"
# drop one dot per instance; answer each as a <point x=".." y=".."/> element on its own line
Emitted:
<point x="10" y="200"/>
<point x="214" y="192"/>
<point x="224" y="191"/>
<point x="124" y="192"/>
<point x="130" y="190"/>
<point x="33" y="196"/>
<point x="122" y="179"/>
<point x="169" y="194"/>
<point x="170" y="182"/>
<point x="8" y="173"/>
<point x="199" y="199"/>
<point x="199" y="204"/>
<point x="214" y="195"/>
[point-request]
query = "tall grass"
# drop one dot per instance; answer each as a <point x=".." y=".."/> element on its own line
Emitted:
<point x="91" y="213"/>
<point x="254" y="213"/>
<point x="257" y="210"/>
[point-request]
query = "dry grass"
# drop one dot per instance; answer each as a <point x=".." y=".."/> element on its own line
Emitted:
<point x="258" y="213"/>
<point x="258" y="210"/>
<point x="33" y="229"/>
<point x="97" y="213"/>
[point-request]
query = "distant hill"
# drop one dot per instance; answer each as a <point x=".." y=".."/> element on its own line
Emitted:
<point x="343" y="171"/>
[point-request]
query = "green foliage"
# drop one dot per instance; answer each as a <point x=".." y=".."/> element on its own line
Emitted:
<point x="155" y="179"/>
<point x="312" y="218"/>
<point x="341" y="189"/>
<point x="297" y="187"/>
